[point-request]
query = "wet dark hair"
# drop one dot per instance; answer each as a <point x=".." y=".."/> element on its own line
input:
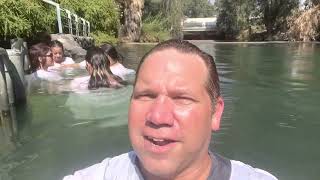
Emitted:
<point x="212" y="84"/>
<point x="39" y="37"/>
<point x="111" y="51"/>
<point x="36" y="51"/>
<point x="101" y="75"/>
<point x="56" y="43"/>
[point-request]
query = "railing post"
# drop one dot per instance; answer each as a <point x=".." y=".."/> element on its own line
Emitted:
<point x="83" y="27"/>
<point x="69" y="21"/>
<point x="77" y="24"/>
<point x="59" y="19"/>
<point x="58" y="13"/>
<point x="86" y="24"/>
<point x="88" y="28"/>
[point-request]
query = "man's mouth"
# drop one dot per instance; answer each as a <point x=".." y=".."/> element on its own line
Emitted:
<point x="159" y="141"/>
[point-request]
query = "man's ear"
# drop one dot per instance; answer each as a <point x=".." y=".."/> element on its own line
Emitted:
<point x="217" y="115"/>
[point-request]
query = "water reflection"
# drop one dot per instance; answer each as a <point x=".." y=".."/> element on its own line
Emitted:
<point x="98" y="105"/>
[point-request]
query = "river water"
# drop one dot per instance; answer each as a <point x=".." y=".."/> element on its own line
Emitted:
<point x="271" y="118"/>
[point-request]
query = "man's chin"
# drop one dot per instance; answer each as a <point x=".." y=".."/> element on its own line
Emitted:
<point x="160" y="169"/>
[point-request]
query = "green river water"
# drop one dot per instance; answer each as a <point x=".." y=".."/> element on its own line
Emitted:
<point x="271" y="118"/>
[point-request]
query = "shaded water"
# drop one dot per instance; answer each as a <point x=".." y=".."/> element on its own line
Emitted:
<point x="271" y="117"/>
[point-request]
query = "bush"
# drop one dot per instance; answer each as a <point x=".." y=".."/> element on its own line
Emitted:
<point x="305" y="26"/>
<point x="24" y="17"/>
<point x="102" y="37"/>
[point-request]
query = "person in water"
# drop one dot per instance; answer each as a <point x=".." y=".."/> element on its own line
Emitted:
<point x="58" y="55"/>
<point x="99" y="71"/>
<point x="114" y="60"/>
<point x="114" y="57"/>
<point x="41" y="59"/>
<point x="174" y="108"/>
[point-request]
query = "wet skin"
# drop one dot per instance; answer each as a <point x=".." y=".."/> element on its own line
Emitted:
<point x="58" y="54"/>
<point x="171" y="116"/>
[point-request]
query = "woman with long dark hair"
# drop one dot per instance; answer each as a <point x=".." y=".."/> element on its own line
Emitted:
<point x="115" y="60"/>
<point x="98" y="67"/>
<point x="100" y="75"/>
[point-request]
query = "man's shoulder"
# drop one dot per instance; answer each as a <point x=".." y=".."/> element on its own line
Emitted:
<point x="242" y="171"/>
<point x="118" y="167"/>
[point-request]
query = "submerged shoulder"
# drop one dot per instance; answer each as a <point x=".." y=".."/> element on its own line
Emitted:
<point x="241" y="171"/>
<point x="68" y="60"/>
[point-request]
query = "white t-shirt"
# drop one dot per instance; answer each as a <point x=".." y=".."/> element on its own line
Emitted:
<point x="121" y="71"/>
<point x="82" y="64"/>
<point x="124" y="167"/>
<point x="80" y="84"/>
<point x="67" y="60"/>
<point x="47" y="75"/>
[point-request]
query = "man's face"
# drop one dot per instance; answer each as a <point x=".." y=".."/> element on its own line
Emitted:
<point x="171" y="116"/>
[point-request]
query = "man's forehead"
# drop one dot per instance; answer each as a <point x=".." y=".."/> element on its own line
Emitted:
<point x="171" y="55"/>
<point x="173" y="61"/>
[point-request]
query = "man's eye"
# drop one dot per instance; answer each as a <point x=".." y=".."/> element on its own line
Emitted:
<point x="145" y="97"/>
<point x="183" y="100"/>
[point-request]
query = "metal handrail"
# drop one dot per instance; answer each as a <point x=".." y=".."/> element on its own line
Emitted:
<point x="70" y="16"/>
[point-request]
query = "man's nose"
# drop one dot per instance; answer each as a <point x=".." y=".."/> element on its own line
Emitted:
<point x="161" y="113"/>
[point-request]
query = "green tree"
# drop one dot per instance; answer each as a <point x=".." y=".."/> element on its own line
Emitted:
<point x="24" y="17"/>
<point x="239" y="15"/>
<point x="173" y="10"/>
<point x="151" y="8"/>
<point x="227" y="18"/>
<point x="246" y="10"/>
<point x="198" y="9"/>
<point x="274" y="13"/>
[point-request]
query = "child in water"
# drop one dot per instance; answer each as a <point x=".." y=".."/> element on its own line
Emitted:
<point x="114" y="57"/>
<point x="58" y="55"/>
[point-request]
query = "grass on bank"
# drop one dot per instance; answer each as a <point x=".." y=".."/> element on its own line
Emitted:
<point x="154" y="29"/>
<point x="102" y="37"/>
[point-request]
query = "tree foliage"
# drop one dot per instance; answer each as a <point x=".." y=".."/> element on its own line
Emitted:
<point x="173" y="10"/>
<point x="242" y="14"/>
<point x="305" y="25"/>
<point x="24" y="17"/>
<point x="198" y="9"/>
<point x="102" y="14"/>
<point x="275" y="12"/>
<point x="227" y="18"/>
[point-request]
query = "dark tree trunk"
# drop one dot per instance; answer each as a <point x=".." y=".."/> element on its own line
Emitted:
<point x="132" y="17"/>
